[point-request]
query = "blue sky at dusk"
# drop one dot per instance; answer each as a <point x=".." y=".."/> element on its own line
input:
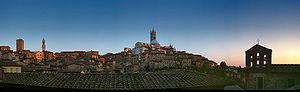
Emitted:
<point x="217" y="29"/>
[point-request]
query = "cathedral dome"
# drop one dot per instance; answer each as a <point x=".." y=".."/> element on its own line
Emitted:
<point x="138" y="44"/>
<point x="154" y="42"/>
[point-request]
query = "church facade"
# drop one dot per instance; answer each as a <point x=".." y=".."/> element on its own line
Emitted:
<point x="261" y="74"/>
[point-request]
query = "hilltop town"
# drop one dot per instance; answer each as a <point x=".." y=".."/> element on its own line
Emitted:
<point x="145" y="66"/>
<point x="142" y="57"/>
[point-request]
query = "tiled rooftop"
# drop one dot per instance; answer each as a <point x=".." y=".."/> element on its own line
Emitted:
<point x="171" y="79"/>
<point x="277" y="68"/>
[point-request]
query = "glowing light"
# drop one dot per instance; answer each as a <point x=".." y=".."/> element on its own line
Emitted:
<point x="287" y="55"/>
<point x="293" y="55"/>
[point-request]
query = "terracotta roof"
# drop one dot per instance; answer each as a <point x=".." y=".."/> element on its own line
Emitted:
<point x="277" y="68"/>
<point x="10" y="63"/>
<point x="133" y="81"/>
<point x="257" y="46"/>
<point x="36" y="68"/>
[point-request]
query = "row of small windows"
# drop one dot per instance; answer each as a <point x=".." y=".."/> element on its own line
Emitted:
<point x="265" y="56"/>
<point x="257" y="63"/>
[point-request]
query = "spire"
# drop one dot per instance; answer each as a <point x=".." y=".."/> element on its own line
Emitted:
<point x="43" y="45"/>
<point x="152" y="29"/>
<point x="257" y="41"/>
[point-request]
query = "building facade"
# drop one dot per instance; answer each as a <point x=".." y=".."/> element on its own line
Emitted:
<point x="39" y="56"/>
<point x="4" y="48"/>
<point x="261" y="74"/>
<point x="10" y="67"/>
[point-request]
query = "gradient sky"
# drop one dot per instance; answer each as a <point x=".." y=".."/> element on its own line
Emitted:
<point x="217" y="29"/>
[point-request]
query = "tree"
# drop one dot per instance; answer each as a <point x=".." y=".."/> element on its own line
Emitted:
<point x="223" y="64"/>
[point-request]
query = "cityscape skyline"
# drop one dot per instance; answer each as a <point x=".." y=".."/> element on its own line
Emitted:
<point x="219" y="31"/>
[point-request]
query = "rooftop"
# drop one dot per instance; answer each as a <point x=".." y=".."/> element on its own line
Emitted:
<point x="169" y="79"/>
<point x="277" y="68"/>
<point x="257" y="46"/>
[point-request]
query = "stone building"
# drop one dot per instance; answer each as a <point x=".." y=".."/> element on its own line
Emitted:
<point x="25" y="56"/>
<point x="75" y="68"/>
<point x="48" y="55"/>
<point x="261" y="74"/>
<point x="4" y="48"/>
<point x="10" y="67"/>
<point x="5" y="55"/>
<point x="78" y="54"/>
<point x="39" y="56"/>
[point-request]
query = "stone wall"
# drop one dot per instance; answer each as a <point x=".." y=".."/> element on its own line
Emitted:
<point x="273" y="81"/>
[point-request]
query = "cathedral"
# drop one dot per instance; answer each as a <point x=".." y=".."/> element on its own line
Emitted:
<point x="140" y="47"/>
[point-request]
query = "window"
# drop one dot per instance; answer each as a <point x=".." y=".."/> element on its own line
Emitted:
<point x="257" y="54"/>
<point x="257" y="62"/>
<point x="251" y="57"/>
<point x="265" y="56"/>
<point x="265" y="62"/>
<point x="251" y="64"/>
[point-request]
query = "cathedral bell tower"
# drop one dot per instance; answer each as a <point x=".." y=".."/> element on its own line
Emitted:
<point x="153" y="40"/>
<point x="152" y="36"/>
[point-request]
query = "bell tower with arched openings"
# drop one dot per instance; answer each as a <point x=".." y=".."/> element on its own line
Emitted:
<point x="258" y="56"/>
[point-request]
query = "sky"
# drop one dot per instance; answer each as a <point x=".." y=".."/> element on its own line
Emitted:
<point x="217" y="29"/>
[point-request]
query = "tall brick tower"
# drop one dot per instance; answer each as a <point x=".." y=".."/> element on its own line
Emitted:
<point x="43" y="45"/>
<point x="20" y="45"/>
